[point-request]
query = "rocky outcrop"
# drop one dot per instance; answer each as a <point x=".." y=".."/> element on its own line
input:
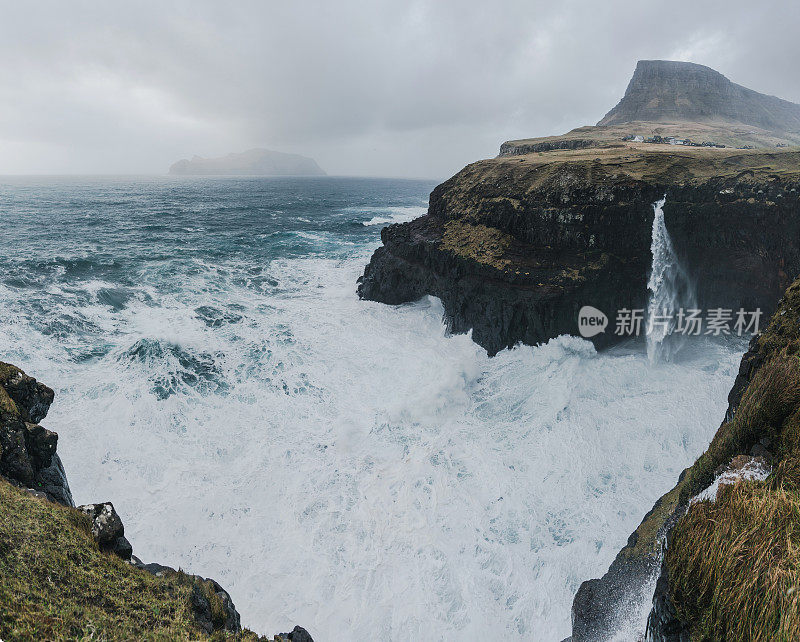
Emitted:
<point x="298" y="634"/>
<point x="603" y="606"/>
<point x="27" y="450"/>
<point x="212" y="605"/>
<point x="515" y="246"/>
<point x="670" y="91"/>
<point x="29" y="461"/>
<point x="107" y="529"/>
<point x="520" y="149"/>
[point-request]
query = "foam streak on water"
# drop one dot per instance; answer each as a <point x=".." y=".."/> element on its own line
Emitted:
<point x="670" y="291"/>
<point x="338" y="464"/>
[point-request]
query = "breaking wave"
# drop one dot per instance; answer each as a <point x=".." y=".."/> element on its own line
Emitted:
<point x="343" y="465"/>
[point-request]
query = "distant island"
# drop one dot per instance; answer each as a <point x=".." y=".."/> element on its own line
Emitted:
<point x="254" y="162"/>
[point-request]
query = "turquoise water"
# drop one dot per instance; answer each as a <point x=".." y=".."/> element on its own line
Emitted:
<point x="338" y="464"/>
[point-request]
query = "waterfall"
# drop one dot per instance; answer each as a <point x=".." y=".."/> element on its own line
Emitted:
<point x="670" y="291"/>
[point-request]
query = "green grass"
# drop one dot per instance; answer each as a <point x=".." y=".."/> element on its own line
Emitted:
<point x="772" y="396"/>
<point x="55" y="584"/>
<point x="485" y="245"/>
<point x="734" y="564"/>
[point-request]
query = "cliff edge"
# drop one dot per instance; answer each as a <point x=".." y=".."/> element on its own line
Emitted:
<point x="69" y="573"/>
<point x="719" y="552"/>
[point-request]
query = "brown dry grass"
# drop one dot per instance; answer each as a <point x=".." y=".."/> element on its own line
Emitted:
<point x="735" y="565"/>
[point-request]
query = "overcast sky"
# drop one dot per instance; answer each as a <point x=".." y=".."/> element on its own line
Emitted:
<point x="400" y="88"/>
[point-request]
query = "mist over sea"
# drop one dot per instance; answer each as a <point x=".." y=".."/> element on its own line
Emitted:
<point x="338" y="464"/>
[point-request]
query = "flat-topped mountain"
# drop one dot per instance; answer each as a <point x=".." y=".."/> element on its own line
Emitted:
<point x="671" y="91"/>
<point x="682" y="103"/>
<point x="254" y="162"/>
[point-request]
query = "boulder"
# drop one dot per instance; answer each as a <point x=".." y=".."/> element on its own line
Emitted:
<point x="298" y="634"/>
<point x="107" y="529"/>
<point x="32" y="398"/>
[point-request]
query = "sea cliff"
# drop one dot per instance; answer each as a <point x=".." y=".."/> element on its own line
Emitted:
<point x="515" y="246"/>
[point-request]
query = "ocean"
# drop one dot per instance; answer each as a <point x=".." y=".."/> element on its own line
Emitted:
<point x="343" y="465"/>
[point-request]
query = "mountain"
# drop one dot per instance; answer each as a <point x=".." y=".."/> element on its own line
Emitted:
<point x="254" y="162"/>
<point x="671" y="91"/>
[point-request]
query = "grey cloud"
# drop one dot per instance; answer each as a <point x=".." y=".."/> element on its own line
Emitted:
<point x="384" y="88"/>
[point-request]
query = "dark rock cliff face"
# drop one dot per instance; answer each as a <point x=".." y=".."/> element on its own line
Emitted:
<point x="666" y="90"/>
<point x="27" y="450"/>
<point x="518" y="149"/>
<point x="514" y="247"/>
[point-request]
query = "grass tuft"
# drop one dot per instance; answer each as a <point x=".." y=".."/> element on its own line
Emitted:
<point x="734" y="564"/>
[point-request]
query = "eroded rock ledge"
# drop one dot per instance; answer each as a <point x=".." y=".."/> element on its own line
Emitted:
<point x="514" y="246"/>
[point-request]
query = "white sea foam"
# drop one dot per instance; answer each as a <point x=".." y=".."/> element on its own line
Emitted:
<point x="754" y="470"/>
<point x="391" y="215"/>
<point x="349" y="467"/>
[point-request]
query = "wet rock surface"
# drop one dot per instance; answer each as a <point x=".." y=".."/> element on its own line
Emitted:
<point x="27" y="450"/>
<point x="663" y="624"/>
<point x="298" y="634"/>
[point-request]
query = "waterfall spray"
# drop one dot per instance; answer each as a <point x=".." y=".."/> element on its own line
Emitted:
<point x="670" y="290"/>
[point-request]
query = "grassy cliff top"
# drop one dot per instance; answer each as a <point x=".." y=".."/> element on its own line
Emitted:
<point x="661" y="165"/>
<point x="55" y="584"/>
<point x="720" y="133"/>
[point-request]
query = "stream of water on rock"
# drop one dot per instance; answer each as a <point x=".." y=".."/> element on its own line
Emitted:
<point x="343" y="465"/>
<point x="670" y="293"/>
